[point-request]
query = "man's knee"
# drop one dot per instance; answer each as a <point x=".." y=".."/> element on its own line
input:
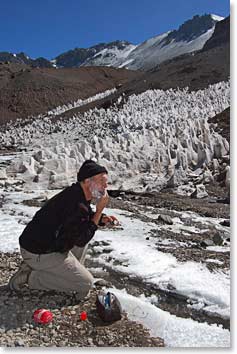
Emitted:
<point x="86" y="280"/>
<point x="84" y="285"/>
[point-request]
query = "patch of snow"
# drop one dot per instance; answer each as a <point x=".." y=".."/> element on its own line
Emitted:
<point x="177" y="332"/>
<point x="218" y="248"/>
<point x="191" y="279"/>
<point x="110" y="56"/>
<point x="216" y="17"/>
<point x="216" y="261"/>
<point x="62" y="109"/>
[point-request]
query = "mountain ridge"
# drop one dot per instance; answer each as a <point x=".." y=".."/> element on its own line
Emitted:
<point x="190" y="36"/>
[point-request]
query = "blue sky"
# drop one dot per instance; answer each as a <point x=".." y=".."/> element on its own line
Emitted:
<point x="50" y="27"/>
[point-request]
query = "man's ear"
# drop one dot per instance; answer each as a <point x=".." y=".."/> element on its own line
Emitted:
<point x="86" y="182"/>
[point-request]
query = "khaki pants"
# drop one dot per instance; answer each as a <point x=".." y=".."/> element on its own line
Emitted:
<point x="59" y="271"/>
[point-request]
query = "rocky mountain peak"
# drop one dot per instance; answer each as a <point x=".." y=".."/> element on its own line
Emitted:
<point x="191" y="29"/>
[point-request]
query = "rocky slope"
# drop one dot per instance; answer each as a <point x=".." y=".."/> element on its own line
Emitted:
<point x="26" y="91"/>
<point x="221" y="35"/>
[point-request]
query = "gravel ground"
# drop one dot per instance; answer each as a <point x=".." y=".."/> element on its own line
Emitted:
<point x="17" y="328"/>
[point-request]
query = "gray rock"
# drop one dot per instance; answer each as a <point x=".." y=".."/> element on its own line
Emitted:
<point x="200" y="192"/>
<point x="90" y="341"/>
<point x="46" y="339"/>
<point x="165" y="219"/>
<point x="62" y="343"/>
<point x="35" y="342"/>
<point x="100" y="343"/>
<point x="206" y="243"/>
<point x="19" y="343"/>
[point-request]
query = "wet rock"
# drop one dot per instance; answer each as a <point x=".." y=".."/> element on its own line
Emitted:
<point x="225" y="223"/>
<point x="218" y="239"/>
<point x="115" y="193"/>
<point x="3" y="265"/>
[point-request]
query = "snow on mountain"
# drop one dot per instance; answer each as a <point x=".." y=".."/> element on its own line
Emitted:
<point x="216" y="17"/>
<point x="113" y="55"/>
<point x="190" y="36"/>
<point x="102" y="54"/>
<point x="143" y="50"/>
<point x="148" y="57"/>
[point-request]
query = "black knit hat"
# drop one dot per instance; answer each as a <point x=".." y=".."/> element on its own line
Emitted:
<point x="89" y="169"/>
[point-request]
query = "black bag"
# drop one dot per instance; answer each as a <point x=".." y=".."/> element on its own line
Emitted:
<point x="108" y="307"/>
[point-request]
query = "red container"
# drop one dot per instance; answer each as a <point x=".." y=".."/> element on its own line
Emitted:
<point x="83" y="316"/>
<point x="42" y="316"/>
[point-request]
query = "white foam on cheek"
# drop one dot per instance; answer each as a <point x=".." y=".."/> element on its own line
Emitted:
<point x="96" y="192"/>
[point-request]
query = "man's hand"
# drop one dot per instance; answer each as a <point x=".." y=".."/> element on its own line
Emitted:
<point x="103" y="201"/>
<point x="101" y="204"/>
<point x="109" y="220"/>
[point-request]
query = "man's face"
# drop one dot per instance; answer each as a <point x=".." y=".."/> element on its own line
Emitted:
<point x="98" y="185"/>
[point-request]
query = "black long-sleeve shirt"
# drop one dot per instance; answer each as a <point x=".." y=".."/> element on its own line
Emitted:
<point x="63" y="222"/>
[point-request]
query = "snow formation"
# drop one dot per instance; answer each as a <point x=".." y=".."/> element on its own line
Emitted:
<point x="155" y="140"/>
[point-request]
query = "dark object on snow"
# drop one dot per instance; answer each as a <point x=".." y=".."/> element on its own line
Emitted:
<point x="115" y="193"/>
<point x="108" y="307"/>
<point x="165" y="219"/>
<point x="223" y="200"/>
<point x="218" y="239"/>
<point x="225" y="223"/>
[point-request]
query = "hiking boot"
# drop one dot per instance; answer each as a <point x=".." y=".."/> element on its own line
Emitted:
<point x="20" y="277"/>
